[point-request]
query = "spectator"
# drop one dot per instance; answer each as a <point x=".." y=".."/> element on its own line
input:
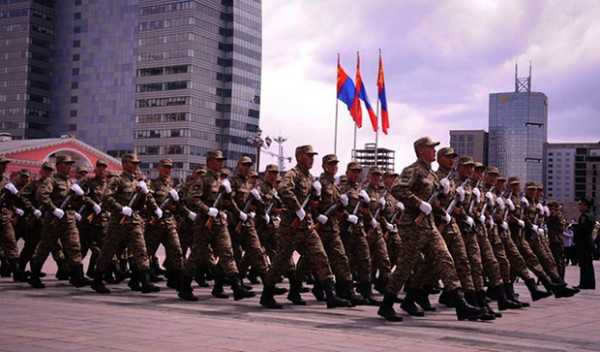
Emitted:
<point x="584" y="244"/>
<point x="570" y="256"/>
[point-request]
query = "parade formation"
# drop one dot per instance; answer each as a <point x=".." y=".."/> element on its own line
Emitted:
<point x="360" y="241"/>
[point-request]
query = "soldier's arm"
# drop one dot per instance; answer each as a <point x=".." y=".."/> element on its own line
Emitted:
<point x="43" y="195"/>
<point x="402" y="189"/>
<point x="286" y="192"/>
<point x="27" y="193"/>
<point x="194" y="197"/>
<point x="109" y="199"/>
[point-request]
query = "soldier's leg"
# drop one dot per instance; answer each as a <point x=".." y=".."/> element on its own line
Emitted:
<point x="254" y="252"/>
<point x="31" y="240"/>
<point x="490" y="264"/>
<point x="8" y="244"/>
<point x="559" y="257"/>
<point x="49" y="238"/>
<point x="69" y="237"/>
<point x="500" y="253"/>
<point x="545" y="261"/>
<point x="474" y="256"/>
<point x="380" y="259"/>
<point x="393" y="245"/>
<point x="136" y="246"/>
<point x="529" y="256"/>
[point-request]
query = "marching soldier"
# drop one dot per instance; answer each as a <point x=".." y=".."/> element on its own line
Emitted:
<point x="556" y="226"/>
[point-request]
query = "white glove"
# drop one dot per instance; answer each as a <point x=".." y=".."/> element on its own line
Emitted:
<point x="243" y="216"/>
<point x="76" y="189"/>
<point x="353" y="219"/>
<point x="158" y="212"/>
<point x="374" y="223"/>
<point x="491" y="222"/>
<point x="482" y="219"/>
<point x="425" y="207"/>
<point x="19" y="212"/>
<point x="461" y="193"/>
<point x="546" y="211"/>
<point x="37" y="213"/>
<point x="447" y="218"/>
<point x="143" y="187"/>
<point x="301" y="214"/>
<point x="317" y="187"/>
<point x="400" y="206"/>
<point x="521" y="223"/>
<point x="500" y="203"/>
<point x="226" y="185"/>
<point x="256" y="194"/>
<point x="96" y="208"/>
<point x="58" y="212"/>
<point x="192" y="216"/>
<point x="535" y="228"/>
<point x="524" y="201"/>
<point x="364" y="196"/>
<point x="127" y="211"/>
<point x="540" y="208"/>
<point x="11" y="188"/>
<point x="213" y="212"/>
<point x="344" y="200"/>
<point x="445" y="183"/>
<point x="381" y="202"/>
<point x="174" y="195"/>
<point x="77" y="217"/>
<point x="541" y="232"/>
<point x="510" y="204"/>
<point x="477" y="194"/>
<point x="490" y="197"/>
<point x="322" y="219"/>
<point x="505" y="225"/>
<point x="470" y="221"/>
<point x="267" y="218"/>
<point x="389" y="227"/>
<point x="251" y="215"/>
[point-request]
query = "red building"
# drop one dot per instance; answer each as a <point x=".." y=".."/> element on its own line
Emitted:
<point x="29" y="154"/>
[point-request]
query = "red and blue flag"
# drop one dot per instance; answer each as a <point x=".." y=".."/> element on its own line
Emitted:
<point x="361" y="94"/>
<point x="345" y="88"/>
<point x="385" y="120"/>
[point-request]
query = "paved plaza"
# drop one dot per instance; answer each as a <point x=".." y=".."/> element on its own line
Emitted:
<point x="63" y="318"/>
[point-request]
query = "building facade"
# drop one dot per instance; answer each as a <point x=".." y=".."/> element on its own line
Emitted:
<point x="370" y="156"/>
<point x="473" y="143"/>
<point x="26" y="59"/>
<point x="572" y="172"/>
<point x="198" y="81"/>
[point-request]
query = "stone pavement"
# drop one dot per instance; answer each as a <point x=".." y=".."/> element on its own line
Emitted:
<point x="63" y="318"/>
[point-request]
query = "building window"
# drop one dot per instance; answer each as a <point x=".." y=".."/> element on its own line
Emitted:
<point x="77" y="2"/>
<point x="74" y="99"/>
<point x="74" y="85"/>
<point x="76" y="57"/>
<point x="76" y="43"/>
<point x="75" y="71"/>
<point x="77" y="16"/>
<point x="72" y="127"/>
<point x="73" y="113"/>
<point x="77" y="29"/>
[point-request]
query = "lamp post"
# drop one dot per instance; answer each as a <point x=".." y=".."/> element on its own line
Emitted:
<point x="257" y="142"/>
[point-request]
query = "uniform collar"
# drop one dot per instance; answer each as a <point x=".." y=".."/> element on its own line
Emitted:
<point x="302" y="169"/>
<point x="424" y="164"/>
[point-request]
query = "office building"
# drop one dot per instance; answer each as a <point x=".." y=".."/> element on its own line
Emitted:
<point x="371" y="156"/>
<point x="473" y="143"/>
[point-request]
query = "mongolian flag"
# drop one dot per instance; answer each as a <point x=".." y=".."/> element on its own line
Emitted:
<point x="345" y="87"/>
<point x="361" y="94"/>
<point x="385" y="120"/>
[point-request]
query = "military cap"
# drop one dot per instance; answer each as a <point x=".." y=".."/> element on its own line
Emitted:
<point x="553" y="204"/>
<point x="306" y="149"/>
<point x="375" y="170"/>
<point x="447" y="151"/>
<point x="64" y="159"/>
<point x="501" y="178"/>
<point x="225" y="172"/>
<point x="390" y="174"/>
<point x="82" y="168"/>
<point x="425" y="142"/>
<point x="253" y="173"/>
<point x="353" y="165"/>
<point x="479" y="165"/>
<point x="330" y="158"/>
<point x="4" y="160"/>
<point x="112" y="173"/>
<point x="513" y="180"/>
<point x="586" y="202"/>
<point x="130" y="157"/>
<point x="466" y="161"/>
<point x="200" y="170"/>
<point x="272" y="168"/>
<point x="24" y="173"/>
<point x="530" y="185"/>
<point x="165" y="163"/>
<point x="215" y="154"/>
<point x="245" y="160"/>
<point x="101" y="162"/>
<point x="48" y="166"/>
<point x="540" y="186"/>
<point x="492" y="170"/>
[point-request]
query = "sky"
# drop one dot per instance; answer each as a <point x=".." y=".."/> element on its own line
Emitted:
<point x="442" y="59"/>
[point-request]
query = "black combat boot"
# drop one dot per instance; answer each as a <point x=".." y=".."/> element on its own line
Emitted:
<point x="478" y="299"/>
<point x="239" y="291"/>
<point x="463" y="309"/>
<point x="62" y="273"/>
<point x="510" y="295"/>
<point x="147" y="285"/>
<point x="174" y="279"/>
<point x="77" y="279"/>
<point x="218" y="291"/>
<point x="503" y="302"/>
<point x="534" y="292"/>
<point x="91" y="270"/>
<point x="386" y="309"/>
<point x="200" y="278"/>
<point x="34" y="278"/>
<point x="267" y="299"/>
<point x="185" y="291"/>
<point x="333" y="301"/>
<point x="134" y="279"/>
<point x="17" y="272"/>
<point x="294" y="295"/>
<point x="98" y="285"/>
<point x="345" y="290"/>
<point x="155" y="270"/>
<point x="380" y="283"/>
<point x="364" y="288"/>
<point x="318" y="292"/>
<point x="445" y="299"/>
<point x="4" y="268"/>
<point x="422" y="299"/>
<point x="409" y="304"/>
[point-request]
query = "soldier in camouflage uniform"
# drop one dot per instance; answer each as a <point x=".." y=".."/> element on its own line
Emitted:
<point x="556" y="226"/>
<point x="298" y="233"/>
<point x="207" y="197"/>
<point x="393" y="211"/>
<point x="415" y="187"/>
<point x="59" y="198"/>
<point x="125" y="198"/>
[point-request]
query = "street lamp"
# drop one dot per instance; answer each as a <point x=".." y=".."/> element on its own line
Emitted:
<point x="257" y="142"/>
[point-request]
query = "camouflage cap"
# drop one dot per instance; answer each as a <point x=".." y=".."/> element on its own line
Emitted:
<point x="64" y="159"/>
<point x="539" y="186"/>
<point x="48" y="166"/>
<point x="513" y="180"/>
<point x="353" y="165"/>
<point x="82" y="168"/>
<point x="425" y="142"/>
<point x="492" y="170"/>
<point x="130" y="157"/>
<point x="253" y="173"/>
<point x="466" y="161"/>
<point x="225" y="172"/>
<point x="24" y="173"/>
<point x="245" y="160"/>
<point x="4" y="160"/>
<point x="272" y="168"/>
<point x="586" y="201"/>
<point x="530" y="185"/>
<point x="306" y="149"/>
<point x="215" y="154"/>
<point x="165" y="163"/>
<point x="501" y="178"/>
<point x="200" y="170"/>
<point x="448" y="152"/>
<point x="330" y="158"/>
<point x="112" y="173"/>
<point x="391" y="174"/>
<point x="375" y="171"/>
<point x="343" y="179"/>
<point x="101" y="162"/>
<point x="479" y="166"/>
<point x="553" y="204"/>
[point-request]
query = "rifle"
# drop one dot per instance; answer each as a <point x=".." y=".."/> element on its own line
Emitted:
<point x="226" y="185"/>
<point x="317" y="192"/>
<point x="452" y="204"/>
<point x="435" y="194"/>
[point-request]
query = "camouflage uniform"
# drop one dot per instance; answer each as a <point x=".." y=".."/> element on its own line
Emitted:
<point x="531" y="218"/>
<point x="490" y="263"/>
<point x="380" y="260"/>
<point x="391" y="234"/>
<point x="93" y="226"/>
<point x="493" y="231"/>
<point x="556" y="226"/>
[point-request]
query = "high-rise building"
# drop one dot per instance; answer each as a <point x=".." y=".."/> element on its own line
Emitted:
<point x="198" y="80"/>
<point x="518" y="124"/>
<point x="94" y="73"/>
<point x="572" y="173"/>
<point x="26" y="48"/>
<point x="473" y="143"/>
<point x="371" y="156"/>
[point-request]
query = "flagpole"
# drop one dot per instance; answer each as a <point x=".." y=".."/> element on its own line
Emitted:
<point x="377" y="114"/>
<point x="335" y="133"/>
<point x="354" y="150"/>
